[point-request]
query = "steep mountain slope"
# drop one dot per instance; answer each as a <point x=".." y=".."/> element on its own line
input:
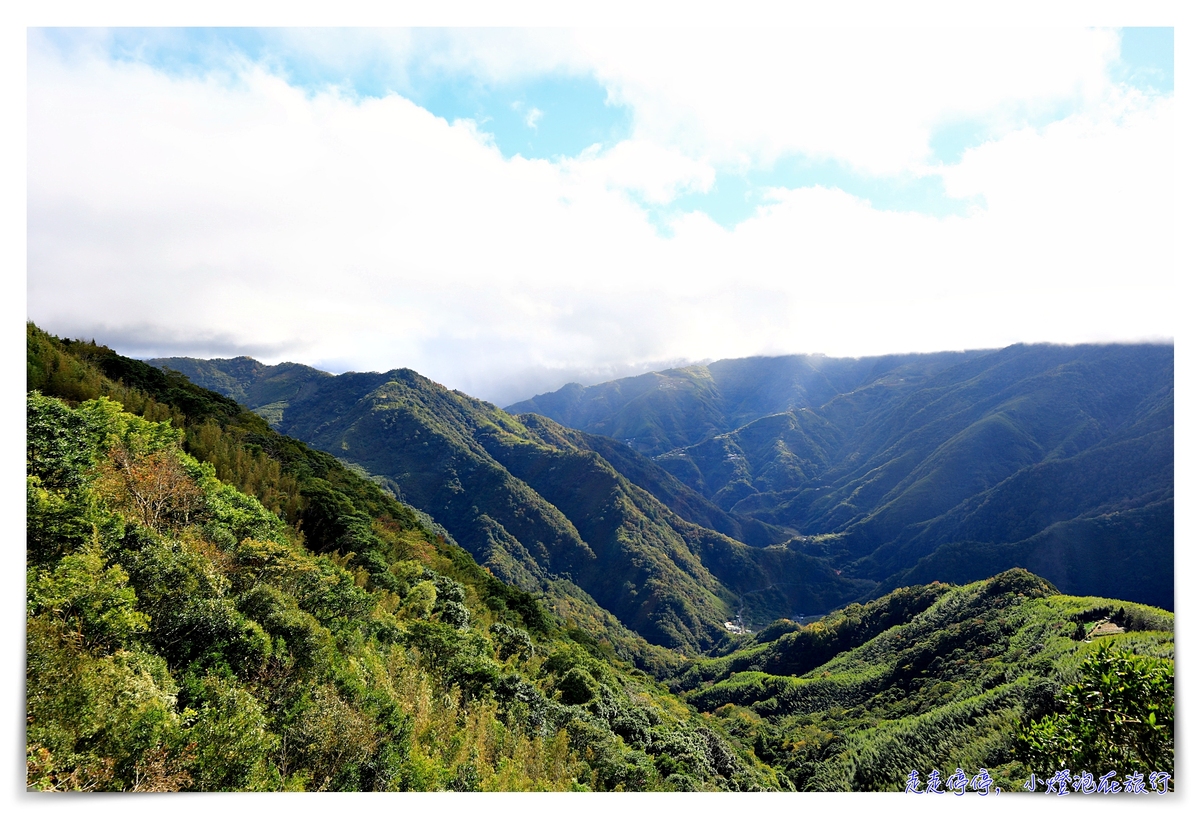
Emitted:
<point x="993" y="447"/>
<point x="645" y="473"/>
<point x="534" y="507"/>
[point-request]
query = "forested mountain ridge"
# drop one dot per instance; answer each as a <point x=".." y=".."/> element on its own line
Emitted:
<point x="537" y="509"/>
<point x="270" y="390"/>
<point x="1030" y="455"/>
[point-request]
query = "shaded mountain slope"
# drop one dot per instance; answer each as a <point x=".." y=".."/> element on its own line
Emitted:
<point x="644" y="472"/>
<point x="986" y="447"/>
<point x="1084" y="554"/>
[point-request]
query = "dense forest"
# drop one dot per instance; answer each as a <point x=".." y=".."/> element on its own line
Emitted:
<point x="213" y="605"/>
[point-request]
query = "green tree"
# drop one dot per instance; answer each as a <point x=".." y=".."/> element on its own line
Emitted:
<point x="92" y="600"/>
<point x="233" y="744"/>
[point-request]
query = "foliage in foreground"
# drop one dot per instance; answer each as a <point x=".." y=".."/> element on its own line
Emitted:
<point x="1119" y="715"/>
<point x="180" y="637"/>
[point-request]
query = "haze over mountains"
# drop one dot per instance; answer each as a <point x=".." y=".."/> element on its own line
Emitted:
<point x="773" y="486"/>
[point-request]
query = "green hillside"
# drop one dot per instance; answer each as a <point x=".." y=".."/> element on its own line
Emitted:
<point x="307" y="632"/>
<point x="269" y="389"/>
<point x="213" y="605"/>
<point x="936" y="677"/>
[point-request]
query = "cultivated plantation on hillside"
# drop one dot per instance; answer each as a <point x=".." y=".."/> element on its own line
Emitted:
<point x="934" y="677"/>
<point x="378" y="583"/>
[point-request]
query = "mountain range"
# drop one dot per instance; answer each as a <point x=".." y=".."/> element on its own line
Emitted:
<point x="455" y="596"/>
<point x="541" y="507"/>
<point x="952" y="466"/>
<point x="771" y="487"/>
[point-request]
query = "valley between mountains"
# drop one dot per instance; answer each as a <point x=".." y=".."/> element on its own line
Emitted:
<point x="771" y="487"/>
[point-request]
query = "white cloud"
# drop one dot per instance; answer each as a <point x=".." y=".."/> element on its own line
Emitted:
<point x="370" y="234"/>
<point x="1090" y="193"/>
<point x="655" y="173"/>
<point x="868" y="97"/>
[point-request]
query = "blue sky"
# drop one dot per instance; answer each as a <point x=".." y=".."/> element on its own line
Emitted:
<point x="509" y="209"/>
